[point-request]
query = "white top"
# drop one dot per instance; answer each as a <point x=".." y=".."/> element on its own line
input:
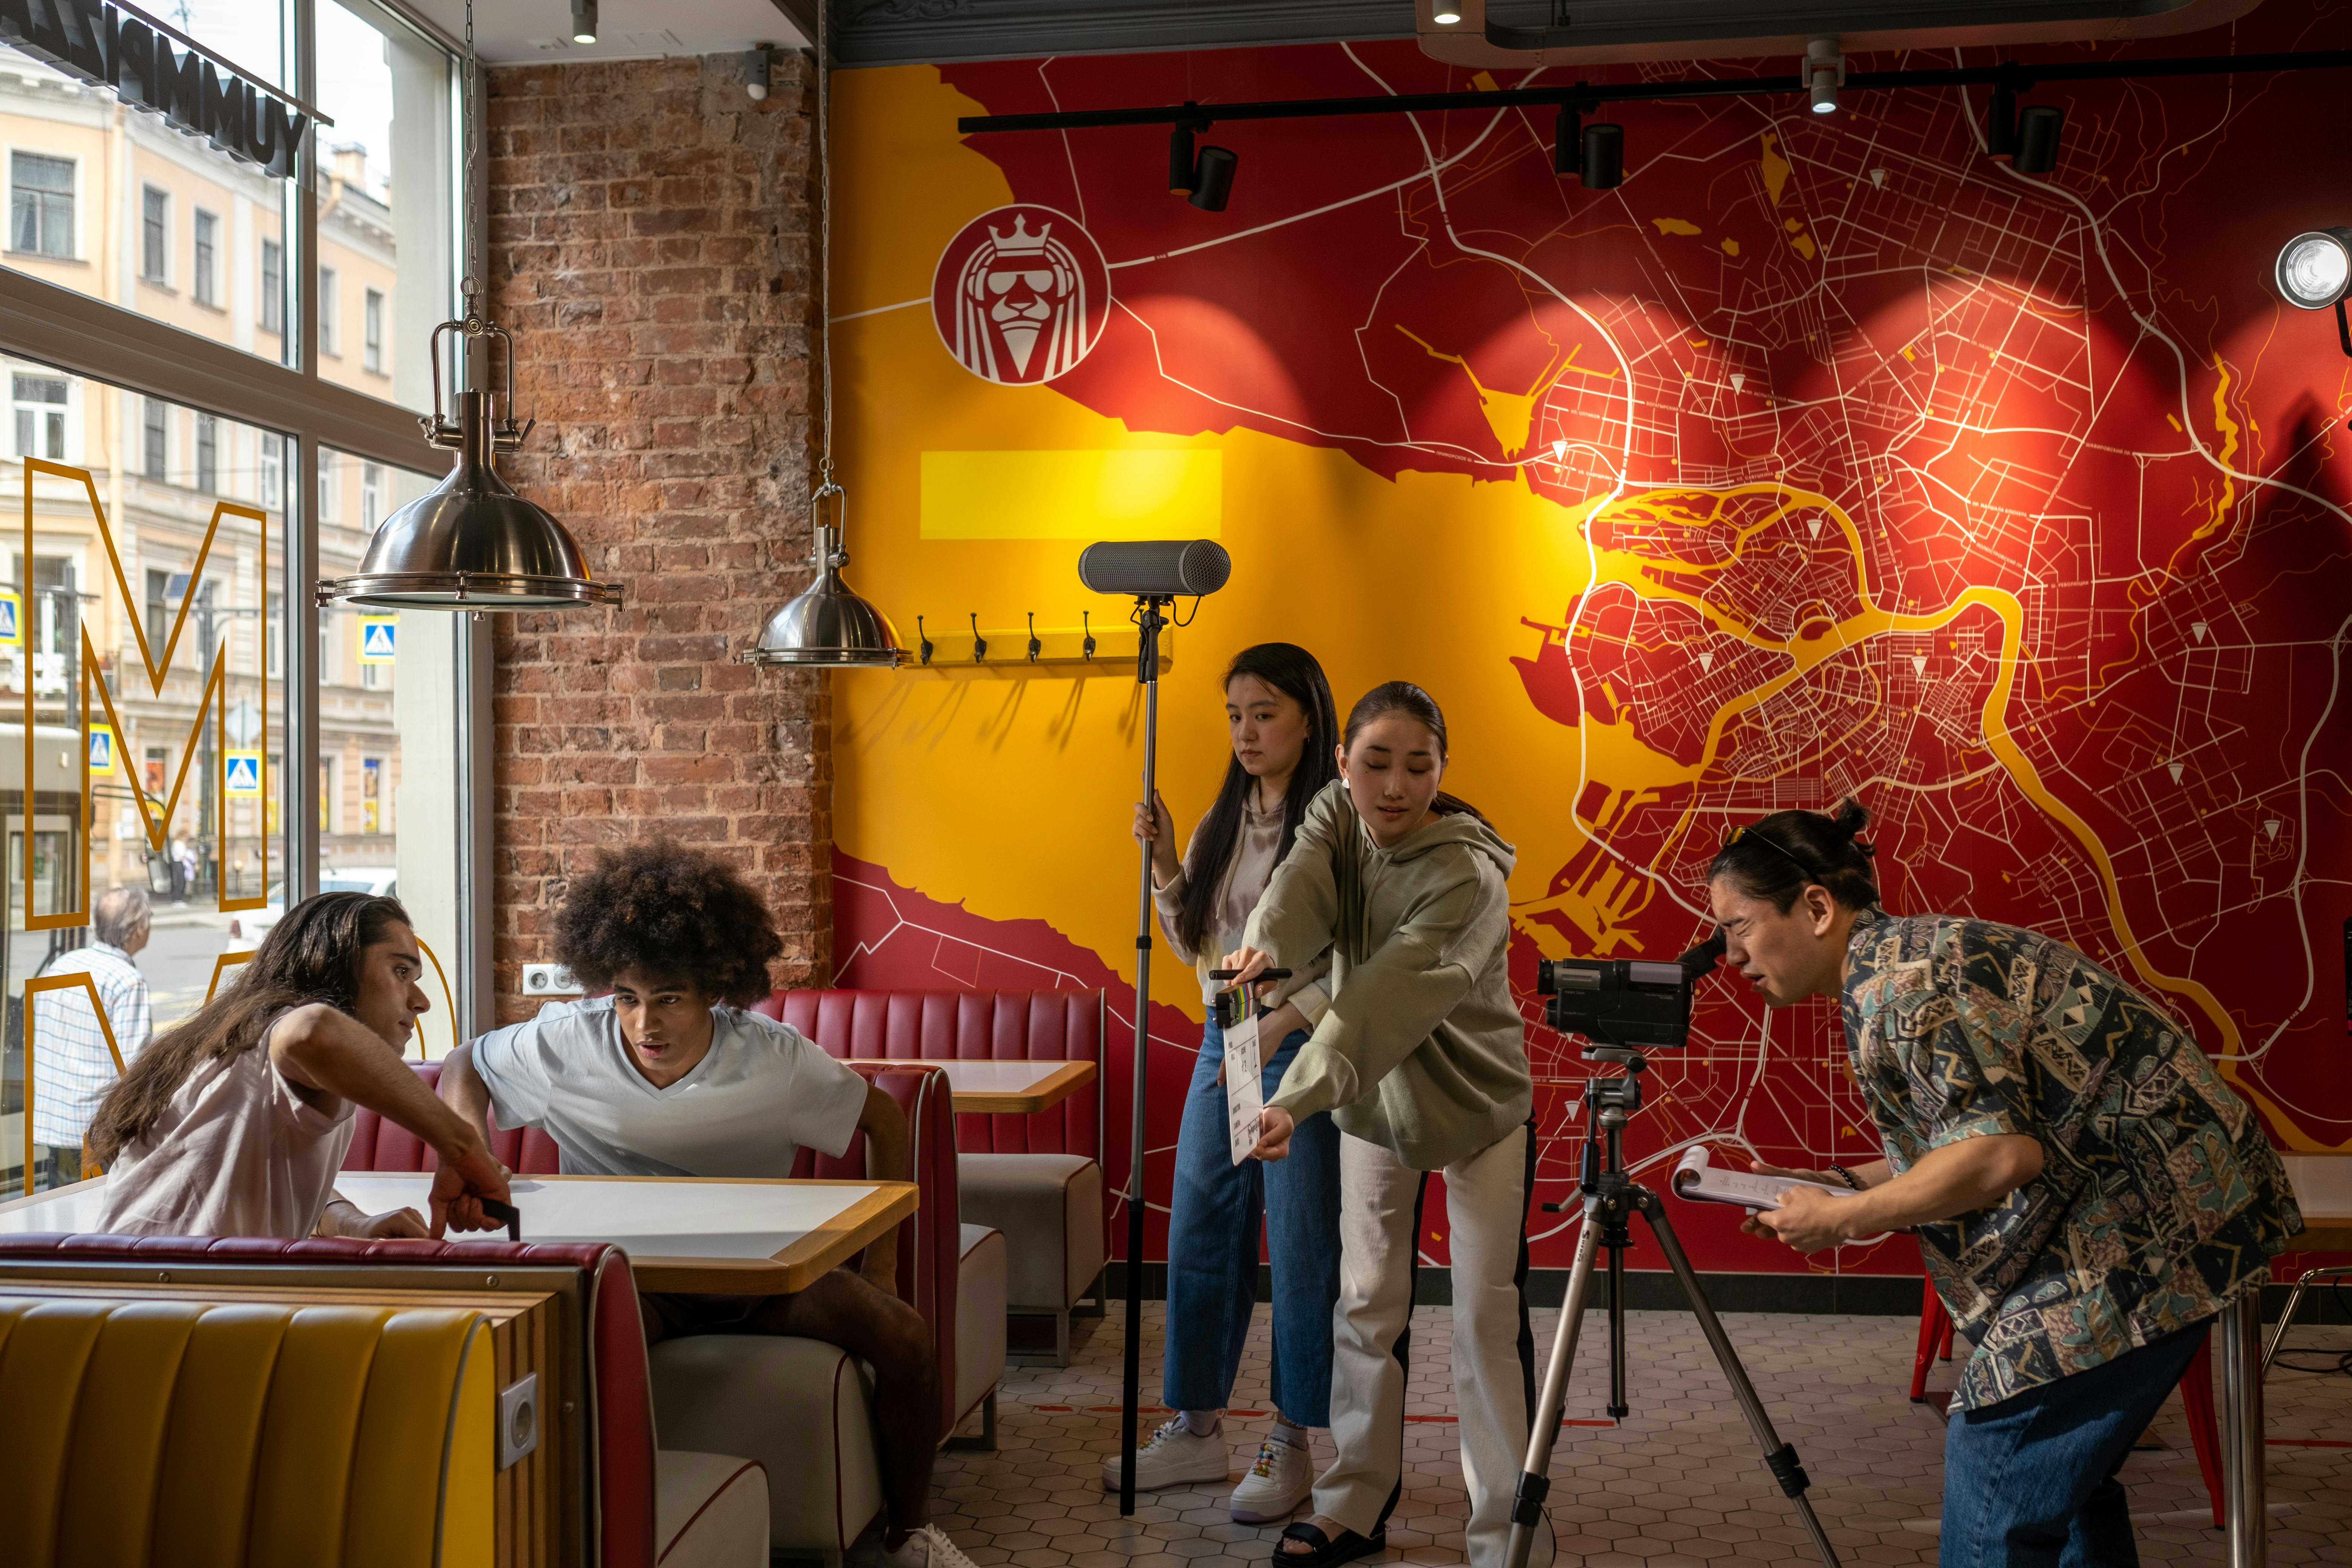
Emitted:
<point x="236" y="1152"/>
<point x="744" y="1110"/>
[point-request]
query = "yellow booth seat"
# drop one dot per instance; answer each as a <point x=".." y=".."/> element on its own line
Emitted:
<point x="195" y="1434"/>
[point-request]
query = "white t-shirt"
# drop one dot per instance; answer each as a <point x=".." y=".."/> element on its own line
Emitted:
<point x="762" y="1090"/>
<point x="236" y="1152"/>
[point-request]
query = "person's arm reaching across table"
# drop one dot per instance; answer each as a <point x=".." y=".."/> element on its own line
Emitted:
<point x="327" y="1052"/>
<point x="463" y="1090"/>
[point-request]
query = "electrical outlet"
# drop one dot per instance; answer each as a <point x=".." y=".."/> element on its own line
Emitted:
<point x="518" y="1419"/>
<point x="548" y="980"/>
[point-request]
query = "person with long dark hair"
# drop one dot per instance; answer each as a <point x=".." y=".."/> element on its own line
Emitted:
<point x="1285" y="737"/>
<point x="1421" y="1059"/>
<point x="2088" y="1194"/>
<point x="235" y="1122"/>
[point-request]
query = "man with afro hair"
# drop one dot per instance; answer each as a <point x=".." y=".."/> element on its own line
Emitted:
<point x="666" y="1075"/>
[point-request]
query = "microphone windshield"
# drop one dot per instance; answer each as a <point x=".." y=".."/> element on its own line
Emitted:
<point x="1155" y="568"/>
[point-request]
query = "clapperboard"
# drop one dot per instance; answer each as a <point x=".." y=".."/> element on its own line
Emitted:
<point x="376" y="638"/>
<point x="243" y="771"/>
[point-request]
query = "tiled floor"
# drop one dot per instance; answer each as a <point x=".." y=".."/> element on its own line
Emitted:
<point x="1678" y="1483"/>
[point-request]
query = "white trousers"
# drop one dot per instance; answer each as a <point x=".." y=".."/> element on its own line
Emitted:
<point x="1493" y="1351"/>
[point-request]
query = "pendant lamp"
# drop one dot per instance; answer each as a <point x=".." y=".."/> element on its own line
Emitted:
<point x="471" y="542"/>
<point x="826" y="624"/>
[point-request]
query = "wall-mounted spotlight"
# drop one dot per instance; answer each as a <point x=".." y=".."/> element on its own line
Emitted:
<point x="1213" y="179"/>
<point x="2038" y="125"/>
<point x="1568" y="142"/>
<point x="756" y="74"/>
<point x="2001" y="123"/>
<point x="583" y="21"/>
<point x="1824" y="74"/>
<point x="1604" y="157"/>
<point x="2315" y="269"/>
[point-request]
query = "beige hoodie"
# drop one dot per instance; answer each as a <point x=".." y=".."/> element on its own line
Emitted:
<point x="1423" y="1050"/>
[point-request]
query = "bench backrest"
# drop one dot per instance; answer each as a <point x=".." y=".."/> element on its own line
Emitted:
<point x="966" y="1025"/>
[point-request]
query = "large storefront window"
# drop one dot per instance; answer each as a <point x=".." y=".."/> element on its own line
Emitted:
<point x="388" y="763"/>
<point x="175" y="716"/>
<point x="140" y="716"/>
<point x="387" y="225"/>
<point x="119" y="202"/>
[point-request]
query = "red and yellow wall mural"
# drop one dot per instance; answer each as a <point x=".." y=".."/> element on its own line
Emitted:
<point x="1825" y="454"/>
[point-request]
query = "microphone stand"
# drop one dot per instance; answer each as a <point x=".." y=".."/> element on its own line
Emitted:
<point x="1148" y="620"/>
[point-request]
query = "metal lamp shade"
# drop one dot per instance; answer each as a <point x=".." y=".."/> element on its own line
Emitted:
<point x="471" y="543"/>
<point x="826" y="624"/>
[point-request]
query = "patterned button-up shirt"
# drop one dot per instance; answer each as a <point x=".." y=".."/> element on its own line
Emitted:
<point x="72" y="1068"/>
<point x="2159" y="1199"/>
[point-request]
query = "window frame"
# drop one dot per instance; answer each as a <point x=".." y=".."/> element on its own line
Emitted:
<point x="72" y="193"/>
<point x="204" y="266"/>
<point x="155" y="235"/>
<point x="126" y="351"/>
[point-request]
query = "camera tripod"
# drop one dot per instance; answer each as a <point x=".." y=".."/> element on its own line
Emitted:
<point x="1609" y="1198"/>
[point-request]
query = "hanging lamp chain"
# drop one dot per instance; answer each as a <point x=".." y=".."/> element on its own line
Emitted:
<point x="827" y="488"/>
<point x="472" y="119"/>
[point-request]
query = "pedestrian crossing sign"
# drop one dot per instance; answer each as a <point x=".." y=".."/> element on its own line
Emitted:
<point x="12" y="619"/>
<point x="376" y="638"/>
<point x="244" y="769"/>
<point x="101" y="748"/>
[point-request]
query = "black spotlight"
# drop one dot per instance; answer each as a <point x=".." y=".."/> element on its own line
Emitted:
<point x="2038" y="125"/>
<point x="1213" y="179"/>
<point x="1604" y="156"/>
<point x="2000" y="124"/>
<point x="1567" y="141"/>
<point x="1179" y="161"/>
<point x="2315" y="269"/>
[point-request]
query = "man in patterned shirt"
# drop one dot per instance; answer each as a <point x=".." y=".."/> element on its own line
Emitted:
<point x="2087" y="1194"/>
<point x="72" y="1068"/>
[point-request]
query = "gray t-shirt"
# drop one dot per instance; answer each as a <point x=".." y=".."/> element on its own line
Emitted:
<point x="744" y="1110"/>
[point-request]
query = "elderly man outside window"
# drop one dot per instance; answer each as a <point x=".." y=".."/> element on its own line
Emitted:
<point x="72" y="1068"/>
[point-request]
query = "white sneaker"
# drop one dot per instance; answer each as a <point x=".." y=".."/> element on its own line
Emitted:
<point x="1282" y="1478"/>
<point x="925" y="1547"/>
<point x="1175" y="1456"/>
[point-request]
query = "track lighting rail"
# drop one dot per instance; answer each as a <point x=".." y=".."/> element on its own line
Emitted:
<point x="1586" y="95"/>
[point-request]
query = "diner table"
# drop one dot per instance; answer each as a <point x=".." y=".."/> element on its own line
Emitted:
<point x="723" y="1236"/>
<point x="1008" y="1087"/>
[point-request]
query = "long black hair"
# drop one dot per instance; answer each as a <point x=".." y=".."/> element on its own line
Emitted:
<point x="314" y="954"/>
<point x="1403" y="697"/>
<point x="1776" y="858"/>
<point x="1291" y="671"/>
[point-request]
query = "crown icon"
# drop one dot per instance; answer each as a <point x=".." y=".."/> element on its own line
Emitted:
<point x="1021" y="242"/>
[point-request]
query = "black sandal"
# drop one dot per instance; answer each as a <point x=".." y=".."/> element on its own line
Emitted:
<point x="1328" y="1552"/>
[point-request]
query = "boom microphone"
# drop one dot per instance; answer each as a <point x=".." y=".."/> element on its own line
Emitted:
<point x="1155" y="568"/>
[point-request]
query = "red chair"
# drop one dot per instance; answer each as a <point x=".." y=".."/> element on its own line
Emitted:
<point x="2196" y="1390"/>
<point x="1037" y="1178"/>
<point x="640" y="1508"/>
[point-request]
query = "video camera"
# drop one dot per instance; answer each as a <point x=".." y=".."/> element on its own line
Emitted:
<point x="1625" y="1003"/>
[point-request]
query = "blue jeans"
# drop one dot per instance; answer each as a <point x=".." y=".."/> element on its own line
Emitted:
<point x="2031" y="1482"/>
<point x="1212" y="1231"/>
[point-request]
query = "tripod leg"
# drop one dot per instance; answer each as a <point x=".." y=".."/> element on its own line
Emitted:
<point x="1543" y="1421"/>
<point x="1782" y="1457"/>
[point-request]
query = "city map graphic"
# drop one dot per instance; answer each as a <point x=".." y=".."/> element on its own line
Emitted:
<point x="2010" y="503"/>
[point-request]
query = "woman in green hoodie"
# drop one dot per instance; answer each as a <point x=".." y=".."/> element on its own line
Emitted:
<point x="1422" y="1063"/>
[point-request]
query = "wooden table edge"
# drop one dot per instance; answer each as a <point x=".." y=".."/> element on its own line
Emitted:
<point x="798" y="1265"/>
<point x="1071" y="1075"/>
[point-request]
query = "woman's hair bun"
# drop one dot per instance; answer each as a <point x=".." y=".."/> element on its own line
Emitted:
<point x="1849" y="820"/>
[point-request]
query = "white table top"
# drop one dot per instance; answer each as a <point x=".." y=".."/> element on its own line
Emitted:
<point x="670" y="1229"/>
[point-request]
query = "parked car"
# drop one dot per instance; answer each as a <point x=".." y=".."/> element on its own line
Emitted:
<point x="383" y="881"/>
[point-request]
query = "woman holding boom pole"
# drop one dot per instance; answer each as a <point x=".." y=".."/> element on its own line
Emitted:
<point x="1284" y="736"/>
<point x="1421" y="1061"/>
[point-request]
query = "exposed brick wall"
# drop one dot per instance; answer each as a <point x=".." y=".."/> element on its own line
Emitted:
<point x="649" y="247"/>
